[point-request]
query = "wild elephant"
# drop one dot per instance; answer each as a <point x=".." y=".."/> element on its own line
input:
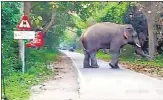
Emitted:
<point x="107" y="35"/>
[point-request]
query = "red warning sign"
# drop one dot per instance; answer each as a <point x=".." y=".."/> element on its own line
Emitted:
<point x="24" y="24"/>
<point x="37" y="42"/>
<point x="39" y="39"/>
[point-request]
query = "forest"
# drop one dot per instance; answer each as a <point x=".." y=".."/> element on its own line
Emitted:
<point x="62" y="24"/>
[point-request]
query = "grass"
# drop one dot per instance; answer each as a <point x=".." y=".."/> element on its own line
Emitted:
<point x="79" y="50"/>
<point x="18" y="85"/>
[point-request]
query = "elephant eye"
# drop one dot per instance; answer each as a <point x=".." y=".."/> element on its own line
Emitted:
<point x="130" y="30"/>
<point x="135" y="35"/>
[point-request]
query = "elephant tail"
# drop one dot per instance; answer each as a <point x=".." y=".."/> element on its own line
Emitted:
<point x="83" y="43"/>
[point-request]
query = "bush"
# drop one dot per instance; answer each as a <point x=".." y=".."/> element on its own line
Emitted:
<point x="18" y="85"/>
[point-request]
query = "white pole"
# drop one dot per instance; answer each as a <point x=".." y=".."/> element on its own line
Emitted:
<point x="22" y="52"/>
<point x="21" y="44"/>
<point x="23" y="57"/>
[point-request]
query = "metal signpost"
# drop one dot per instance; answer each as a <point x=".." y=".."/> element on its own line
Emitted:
<point x="24" y="26"/>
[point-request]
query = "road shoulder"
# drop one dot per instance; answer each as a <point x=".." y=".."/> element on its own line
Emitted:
<point x="63" y="86"/>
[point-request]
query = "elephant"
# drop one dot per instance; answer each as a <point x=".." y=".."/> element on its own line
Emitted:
<point x="107" y="35"/>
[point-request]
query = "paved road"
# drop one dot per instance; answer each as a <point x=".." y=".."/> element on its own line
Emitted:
<point x="105" y="83"/>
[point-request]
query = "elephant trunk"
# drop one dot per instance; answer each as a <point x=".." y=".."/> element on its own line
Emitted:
<point x="139" y="49"/>
<point x="140" y="52"/>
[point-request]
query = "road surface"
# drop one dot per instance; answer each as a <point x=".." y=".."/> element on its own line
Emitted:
<point x="105" y="83"/>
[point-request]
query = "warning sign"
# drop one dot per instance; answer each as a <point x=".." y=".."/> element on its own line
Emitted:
<point x="37" y="42"/>
<point x="24" y="24"/>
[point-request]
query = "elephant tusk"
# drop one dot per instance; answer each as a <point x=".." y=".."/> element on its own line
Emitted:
<point x="138" y="45"/>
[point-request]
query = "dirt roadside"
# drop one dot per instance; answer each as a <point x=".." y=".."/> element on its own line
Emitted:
<point x="63" y="86"/>
<point x="152" y="71"/>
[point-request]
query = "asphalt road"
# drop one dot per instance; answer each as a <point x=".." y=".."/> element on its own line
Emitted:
<point x="105" y="83"/>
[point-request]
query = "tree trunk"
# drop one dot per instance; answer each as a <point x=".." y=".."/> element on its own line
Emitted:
<point x="27" y="7"/>
<point x="151" y="19"/>
<point x="150" y="13"/>
<point x="47" y="27"/>
<point x="151" y="36"/>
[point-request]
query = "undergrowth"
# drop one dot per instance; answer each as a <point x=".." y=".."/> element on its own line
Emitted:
<point x="18" y="85"/>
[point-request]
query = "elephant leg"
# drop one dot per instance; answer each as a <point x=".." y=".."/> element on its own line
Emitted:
<point x="115" y="59"/>
<point x="93" y="60"/>
<point x="115" y="52"/>
<point x="86" y="60"/>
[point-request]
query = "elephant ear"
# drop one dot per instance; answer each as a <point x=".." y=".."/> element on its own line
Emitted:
<point x="126" y="34"/>
<point x="128" y="30"/>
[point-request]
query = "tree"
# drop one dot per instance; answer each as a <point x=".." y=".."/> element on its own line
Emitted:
<point x="150" y="9"/>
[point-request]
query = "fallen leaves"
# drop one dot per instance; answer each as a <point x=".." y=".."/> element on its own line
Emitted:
<point x="145" y="69"/>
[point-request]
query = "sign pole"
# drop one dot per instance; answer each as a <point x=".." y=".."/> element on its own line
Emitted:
<point x="22" y="46"/>
<point x="23" y="56"/>
<point x="22" y="51"/>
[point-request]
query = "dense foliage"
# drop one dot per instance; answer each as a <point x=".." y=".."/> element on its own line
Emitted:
<point x="10" y="17"/>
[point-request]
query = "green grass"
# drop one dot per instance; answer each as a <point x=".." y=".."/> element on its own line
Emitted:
<point x="102" y="55"/>
<point x="18" y="85"/>
<point x="79" y="50"/>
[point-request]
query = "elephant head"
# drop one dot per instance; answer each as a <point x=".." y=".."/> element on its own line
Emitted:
<point x="131" y="36"/>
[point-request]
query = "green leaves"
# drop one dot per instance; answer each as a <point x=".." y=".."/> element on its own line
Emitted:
<point x="39" y="17"/>
<point x="115" y="13"/>
<point x="10" y="18"/>
<point x="99" y="12"/>
<point x="79" y="22"/>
